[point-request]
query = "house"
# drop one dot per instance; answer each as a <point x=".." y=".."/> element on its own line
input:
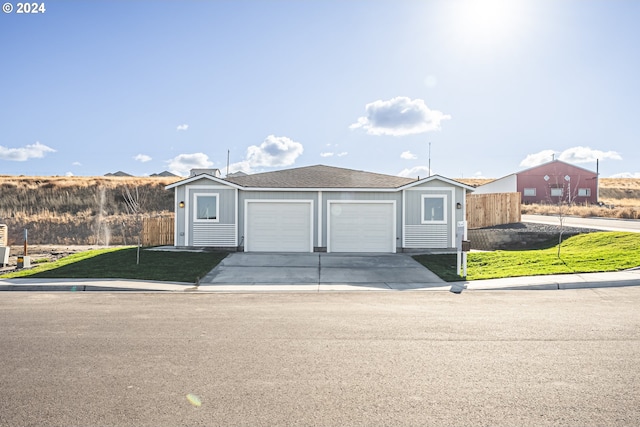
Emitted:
<point x="317" y="208"/>
<point x="552" y="182"/>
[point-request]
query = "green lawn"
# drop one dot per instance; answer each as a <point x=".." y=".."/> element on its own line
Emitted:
<point x="120" y="263"/>
<point x="584" y="253"/>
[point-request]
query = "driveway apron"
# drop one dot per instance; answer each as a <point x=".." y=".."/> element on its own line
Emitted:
<point x="387" y="271"/>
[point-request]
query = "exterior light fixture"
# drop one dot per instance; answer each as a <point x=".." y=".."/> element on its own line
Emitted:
<point x="181" y="204"/>
<point x="458" y="205"/>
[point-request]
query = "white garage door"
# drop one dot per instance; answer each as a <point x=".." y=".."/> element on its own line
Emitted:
<point x="278" y="227"/>
<point x="362" y="227"/>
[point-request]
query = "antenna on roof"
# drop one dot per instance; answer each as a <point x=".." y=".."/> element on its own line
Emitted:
<point x="429" y="173"/>
<point x="228" y="162"/>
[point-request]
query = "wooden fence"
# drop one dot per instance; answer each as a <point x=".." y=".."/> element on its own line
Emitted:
<point x="157" y="231"/>
<point x="486" y="210"/>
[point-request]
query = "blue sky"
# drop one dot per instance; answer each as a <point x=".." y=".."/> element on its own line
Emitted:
<point x="91" y="87"/>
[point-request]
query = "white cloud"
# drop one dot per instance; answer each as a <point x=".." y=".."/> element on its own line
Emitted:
<point x="69" y="174"/>
<point x="274" y="151"/>
<point x="29" y="151"/>
<point x="399" y="116"/>
<point x="574" y="155"/>
<point x="182" y="127"/>
<point x="344" y="153"/>
<point x="408" y="155"/>
<point x="142" y="158"/>
<point x="587" y="155"/>
<point x="326" y="154"/>
<point x="626" y="175"/>
<point x="76" y="164"/>
<point x="183" y="163"/>
<point x="414" y="172"/>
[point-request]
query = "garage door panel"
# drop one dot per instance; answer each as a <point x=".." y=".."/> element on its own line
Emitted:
<point x="362" y="227"/>
<point x="278" y="227"/>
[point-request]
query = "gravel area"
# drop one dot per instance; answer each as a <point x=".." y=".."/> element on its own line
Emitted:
<point x="540" y="228"/>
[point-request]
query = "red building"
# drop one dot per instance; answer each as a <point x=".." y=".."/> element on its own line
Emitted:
<point x="558" y="181"/>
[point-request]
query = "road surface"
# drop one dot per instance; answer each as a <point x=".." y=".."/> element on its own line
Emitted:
<point x="526" y="358"/>
<point x="608" y="224"/>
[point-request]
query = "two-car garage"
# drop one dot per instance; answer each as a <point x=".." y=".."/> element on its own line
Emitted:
<point x="351" y="226"/>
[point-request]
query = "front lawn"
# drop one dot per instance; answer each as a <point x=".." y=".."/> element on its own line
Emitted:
<point x="120" y="263"/>
<point x="584" y="253"/>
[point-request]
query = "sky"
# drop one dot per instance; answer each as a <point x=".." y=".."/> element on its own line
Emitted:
<point x="474" y="88"/>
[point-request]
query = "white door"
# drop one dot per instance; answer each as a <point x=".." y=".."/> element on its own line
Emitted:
<point x="278" y="226"/>
<point x="362" y="227"/>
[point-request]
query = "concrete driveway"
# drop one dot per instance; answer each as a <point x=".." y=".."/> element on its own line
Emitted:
<point x="321" y="271"/>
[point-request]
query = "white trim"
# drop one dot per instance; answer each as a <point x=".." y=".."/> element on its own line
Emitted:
<point x="246" y="217"/>
<point x="319" y="219"/>
<point x="175" y="218"/>
<point x="444" y="219"/>
<point x="195" y="207"/>
<point x="236" y="216"/>
<point x="404" y="216"/>
<point x="394" y="218"/>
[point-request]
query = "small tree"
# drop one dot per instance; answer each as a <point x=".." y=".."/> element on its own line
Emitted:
<point x="562" y="190"/>
<point x="134" y="201"/>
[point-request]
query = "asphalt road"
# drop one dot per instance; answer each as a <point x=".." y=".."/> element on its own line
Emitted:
<point x="526" y="358"/>
<point x="608" y="224"/>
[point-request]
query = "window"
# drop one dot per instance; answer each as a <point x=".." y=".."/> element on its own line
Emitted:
<point x="434" y="209"/>
<point x="530" y="192"/>
<point x="584" y="192"/>
<point x="556" y="192"/>
<point x="206" y="207"/>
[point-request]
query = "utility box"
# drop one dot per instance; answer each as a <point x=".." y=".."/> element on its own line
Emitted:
<point x="4" y="235"/>
<point x="466" y="245"/>
<point x="24" y="261"/>
<point x="4" y="255"/>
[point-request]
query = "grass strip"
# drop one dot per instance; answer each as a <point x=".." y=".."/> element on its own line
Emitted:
<point x="120" y="263"/>
<point x="584" y="253"/>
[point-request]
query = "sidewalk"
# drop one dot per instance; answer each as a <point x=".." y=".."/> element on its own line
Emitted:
<point x="552" y="282"/>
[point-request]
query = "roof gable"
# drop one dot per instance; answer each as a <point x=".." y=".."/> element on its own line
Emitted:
<point x="554" y="162"/>
<point x="199" y="177"/>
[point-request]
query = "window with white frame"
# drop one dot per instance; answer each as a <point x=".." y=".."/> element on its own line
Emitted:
<point x="529" y="192"/>
<point x="206" y="207"/>
<point x="434" y="209"/>
<point x="584" y="192"/>
<point x="556" y="192"/>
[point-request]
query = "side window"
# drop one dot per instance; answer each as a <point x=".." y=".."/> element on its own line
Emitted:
<point x="584" y="192"/>
<point x="434" y="209"/>
<point x="206" y="207"/>
<point x="529" y="192"/>
<point x="556" y="192"/>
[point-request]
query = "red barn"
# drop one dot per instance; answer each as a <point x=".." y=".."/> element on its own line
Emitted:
<point x="557" y="181"/>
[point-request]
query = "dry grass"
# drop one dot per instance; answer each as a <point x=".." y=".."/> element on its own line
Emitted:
<point x="78" y="210"/>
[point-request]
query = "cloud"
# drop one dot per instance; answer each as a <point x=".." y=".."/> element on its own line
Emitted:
<point x="399" y="116"/>
<point x="142" y="158"/>
<point x="414" y="172"/>
<point x="587" y="155"/>
<point x="344" y="153"/>
<point x="408" y="155"/>
<point x="69" y="174"/>
<point x="182" y="127"/>
<point x="325" y="154"/>
<point x="76" y="164"/>
<point x="30" y="151"/>
<point x="274" y="151"/>
<point x="575" y="155"/>
<point x="183" y="163"/>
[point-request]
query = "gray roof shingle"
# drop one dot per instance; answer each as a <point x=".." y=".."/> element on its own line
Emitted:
<point x="319" y="176"/>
